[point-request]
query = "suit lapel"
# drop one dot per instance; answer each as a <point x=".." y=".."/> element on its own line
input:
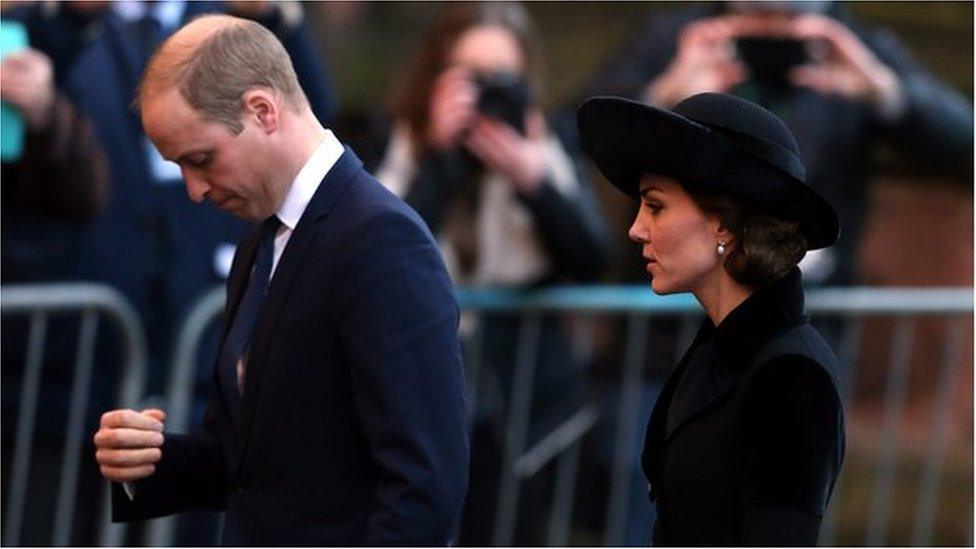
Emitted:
<point x="705" y="384"/>
<point x="305" y="233"/>
<point x="654" y="437"/>
<point x="127" y="48"/>
<point x="705" y="387"/>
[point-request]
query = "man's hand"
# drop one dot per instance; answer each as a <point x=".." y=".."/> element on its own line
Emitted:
<point x="128" y="444"/>
<point x="848" y="69"/>
<point x="27" y="82"/>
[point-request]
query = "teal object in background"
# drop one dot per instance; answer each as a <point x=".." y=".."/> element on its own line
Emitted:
<point x="13" y="37"/>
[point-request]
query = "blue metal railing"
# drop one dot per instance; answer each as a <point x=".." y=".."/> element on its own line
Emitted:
<point x="639" y="305"/>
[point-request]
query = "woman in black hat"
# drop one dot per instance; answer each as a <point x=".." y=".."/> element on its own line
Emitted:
<point x="747" y="438"/>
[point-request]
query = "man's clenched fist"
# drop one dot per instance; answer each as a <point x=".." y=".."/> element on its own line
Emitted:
<point x="128" y="444"/>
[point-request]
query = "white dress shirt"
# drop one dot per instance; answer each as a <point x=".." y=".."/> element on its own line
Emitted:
<point x="302" y="189"/>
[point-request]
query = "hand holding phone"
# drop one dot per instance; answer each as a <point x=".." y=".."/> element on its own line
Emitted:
<point x="13" y="38"/>
<point x="770" y="59"/>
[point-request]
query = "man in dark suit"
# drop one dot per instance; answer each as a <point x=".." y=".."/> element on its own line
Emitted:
<point x="338" y="415"/>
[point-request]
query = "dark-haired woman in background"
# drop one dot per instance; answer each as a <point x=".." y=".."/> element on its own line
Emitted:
<point x="470" y="151"/>
<point x="503" y="194"/>
<point x="747" y="438"/>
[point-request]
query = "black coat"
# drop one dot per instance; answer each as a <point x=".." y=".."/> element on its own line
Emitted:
<point x="747" y="438"/>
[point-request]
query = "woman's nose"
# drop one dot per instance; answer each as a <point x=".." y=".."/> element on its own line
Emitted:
<point x="638" y="232"/>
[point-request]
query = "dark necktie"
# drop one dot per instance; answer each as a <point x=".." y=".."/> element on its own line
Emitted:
<point x="239" y="335"/>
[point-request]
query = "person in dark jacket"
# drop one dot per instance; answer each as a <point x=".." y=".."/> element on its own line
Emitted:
<point x="48" y="197"/>
<point x="57" y="186"/>
<point x="746" y="441"/>
<point x="471" y="151"/>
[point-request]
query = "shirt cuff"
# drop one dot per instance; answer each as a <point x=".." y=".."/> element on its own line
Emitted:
<point x="130" y="490"/>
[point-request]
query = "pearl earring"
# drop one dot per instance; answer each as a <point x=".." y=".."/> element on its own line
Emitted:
<point x="721" y="248"/>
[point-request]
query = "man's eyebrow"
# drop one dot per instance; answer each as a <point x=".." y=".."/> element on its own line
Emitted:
<point x="185" y="156"/>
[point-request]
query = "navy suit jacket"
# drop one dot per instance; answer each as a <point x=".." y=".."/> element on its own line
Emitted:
<point x="352" y="426"/>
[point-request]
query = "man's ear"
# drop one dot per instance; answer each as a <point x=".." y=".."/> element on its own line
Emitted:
<point x="262" y="107"/>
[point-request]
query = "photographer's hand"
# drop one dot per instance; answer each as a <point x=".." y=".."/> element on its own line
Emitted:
<point x="453" y="103"/>
<point x="705" y="62"/>
<point x="27" y="82"/>
<point x="848" y="69"/>
<point x="521" y="160"/>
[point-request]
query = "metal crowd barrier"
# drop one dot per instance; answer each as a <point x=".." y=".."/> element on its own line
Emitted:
<point x="561" y="445"/>
<point x="639" y="304"/>
<point x="91" y="302"/>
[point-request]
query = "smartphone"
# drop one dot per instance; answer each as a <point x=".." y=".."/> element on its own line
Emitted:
<point x="13" y="38"/>
<point x="770" y="59"/>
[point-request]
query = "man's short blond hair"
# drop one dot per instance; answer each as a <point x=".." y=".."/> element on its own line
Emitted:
<point x="213" y="60"/>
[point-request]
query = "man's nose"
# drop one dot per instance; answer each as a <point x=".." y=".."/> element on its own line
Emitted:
<point x="196" y="187"/>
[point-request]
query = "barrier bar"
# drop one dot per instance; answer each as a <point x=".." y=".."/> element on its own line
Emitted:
<point x="516" y="429"/>
<point x="884" y="478"/>
<point x="627" y="422"/>
<point x="927" y="506"/>
<point x="20" y="470"/>
<point x="75" y="429"/>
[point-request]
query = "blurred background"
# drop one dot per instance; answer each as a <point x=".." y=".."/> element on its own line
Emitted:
<point x="86" y="200"/>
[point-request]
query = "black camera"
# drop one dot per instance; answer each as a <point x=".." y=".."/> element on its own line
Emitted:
<point x="770" y="59"/>
<point x="504" y="96"/>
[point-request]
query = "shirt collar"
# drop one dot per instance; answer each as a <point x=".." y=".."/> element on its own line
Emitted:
<point x="308" y="180"/>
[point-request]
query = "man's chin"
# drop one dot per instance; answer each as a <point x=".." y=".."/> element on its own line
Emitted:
<point x="246" y="215"/>
<point x="239" y="209"/>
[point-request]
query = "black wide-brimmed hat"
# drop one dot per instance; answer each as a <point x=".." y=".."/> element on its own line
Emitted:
<point x="711" y="142"/>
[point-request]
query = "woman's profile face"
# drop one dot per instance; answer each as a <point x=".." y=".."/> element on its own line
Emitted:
<point x="488" y="49"/>
<point x="678" y="239"/>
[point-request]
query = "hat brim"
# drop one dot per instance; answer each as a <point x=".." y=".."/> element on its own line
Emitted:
<point x="627" y="139"/>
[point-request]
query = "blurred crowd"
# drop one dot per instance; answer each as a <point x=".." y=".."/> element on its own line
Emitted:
<point x="467" y="143"/>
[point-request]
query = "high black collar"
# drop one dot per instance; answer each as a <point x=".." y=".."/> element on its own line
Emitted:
<point x="768" y="311"/>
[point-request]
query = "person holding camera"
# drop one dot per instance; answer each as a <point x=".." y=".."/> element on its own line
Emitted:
<point x="470" y="150"/>
<point x="468" y="132"/>
<point x="841" y="88"/>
